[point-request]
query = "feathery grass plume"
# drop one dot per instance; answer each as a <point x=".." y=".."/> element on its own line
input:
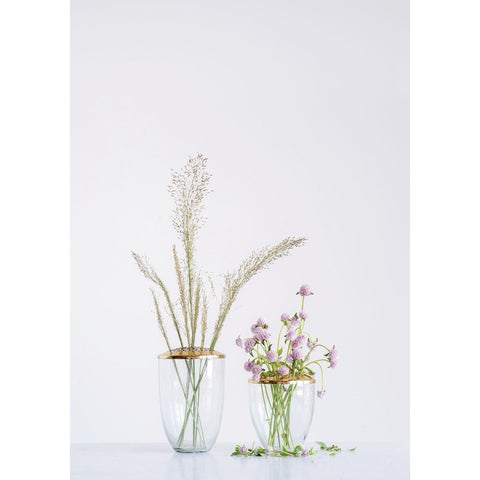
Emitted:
<point x="212" y="288"/>
<point x="196" y="310"/>
<point x="150" y="273"/>
<point x="183" y="296"/>
<point x="256" y="262"/>
<point x="188" y="189"/>
<point x="160" y="320"/>
<point x="204" y="319"/>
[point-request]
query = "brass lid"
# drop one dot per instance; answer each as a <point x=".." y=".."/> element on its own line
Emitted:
<point x="191" y="352"/>
<point x="283" y="380"/>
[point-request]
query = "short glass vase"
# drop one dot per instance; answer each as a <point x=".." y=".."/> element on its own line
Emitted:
<point x="282" y="410"/>
<point x="191" y="382"/>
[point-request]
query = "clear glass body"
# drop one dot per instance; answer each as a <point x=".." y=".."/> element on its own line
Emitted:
<point x="191" y="401"/>
<point x="282" y="412"/>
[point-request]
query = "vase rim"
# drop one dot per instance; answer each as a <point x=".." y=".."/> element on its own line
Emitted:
<point x="282" y="381"/>
<point x="191" y="352"/>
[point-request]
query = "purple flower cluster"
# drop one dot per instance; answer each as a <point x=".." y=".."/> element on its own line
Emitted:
<point x="289" y="355"/>
<point x="291" y="334"/>
<point x="299" y="342"/>
<point x="248" y="366"/>
<point x="249" y="344"/>
<point x="256" y="370"/>
<point x="261" y="322"/>
<point x="333" y="356"/>
<point x="295" y="321"/>
<point x="272" y="356"/>
<point x="305" y="291"/>
<point x="260" y="334"/>
<point x="297" y="353"/>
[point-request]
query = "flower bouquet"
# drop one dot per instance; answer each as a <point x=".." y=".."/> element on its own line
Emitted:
<point x="282" y="386"/>
<point x="191" y="373"/>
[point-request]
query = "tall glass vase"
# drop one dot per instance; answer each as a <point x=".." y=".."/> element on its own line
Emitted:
<point x="191" y="382"/>
<point x="282" y="411"/>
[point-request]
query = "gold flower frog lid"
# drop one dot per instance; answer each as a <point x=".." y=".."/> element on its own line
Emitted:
<point x="191" y="353"/>
<point x="286" y="380"/>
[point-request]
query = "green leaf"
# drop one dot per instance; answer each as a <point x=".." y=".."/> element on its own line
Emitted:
<point x="296" y="451"/>
<point x="352" y="449"/>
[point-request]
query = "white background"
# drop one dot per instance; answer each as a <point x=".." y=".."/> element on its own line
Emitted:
<point x="302" y="109"/>
<point x="34" y="206"/>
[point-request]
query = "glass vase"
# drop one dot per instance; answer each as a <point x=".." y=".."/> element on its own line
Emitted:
<point x="282" y="411"/>
<point x="191" y="382"/>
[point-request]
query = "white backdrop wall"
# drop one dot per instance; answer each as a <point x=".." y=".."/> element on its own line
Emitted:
<point x="302" y="109"/>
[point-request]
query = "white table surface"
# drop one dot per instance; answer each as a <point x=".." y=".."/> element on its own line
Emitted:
<point x="370" y="461"/>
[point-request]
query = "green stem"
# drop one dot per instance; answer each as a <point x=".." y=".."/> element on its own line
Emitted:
<point x="279" y="335"/>
<point x="316" y="362"/>
<point x="277" y="413"/>
<point x="192" y="405"/>
<point x="309" y="353"/>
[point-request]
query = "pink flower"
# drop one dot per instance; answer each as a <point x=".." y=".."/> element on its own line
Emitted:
<point x="310" y="345"/>
<point x="253" y="327"/>
<point x="272" y="356"/>
<point x="305" y="452"/>
<point x="256" y="377"/>
<point x="321" y="394"/>
<point x="248" y="366"/>
<point x="333" y="353"/>
<point x="261" y="322"/>
<point x="289" y="359"/>
<point x="291" y="334"/>
<point x="249" y="344"/>
<point x="239" y="342"/>
<point x="285" y="317"/>
<point x="283" y="370"/>
<point x="297" y="353"/>
<point x="302" y="314"/>
<point x="305" y="291"/>
<point x="256" y="369"/>
<point x="333" y="356"/>
<point x="244" y="449"/>
<point x="260" y="334"/>
<point x="294" y="321"/>
<point x="299" y="342"/>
